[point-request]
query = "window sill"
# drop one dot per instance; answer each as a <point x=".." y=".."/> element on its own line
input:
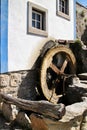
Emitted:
<point x="37" y="32"/>
<point x="59" y="13"/>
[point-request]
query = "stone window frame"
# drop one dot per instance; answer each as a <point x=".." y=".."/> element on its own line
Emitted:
<point x="33" y="30"/>
<point x="60" y="13"/>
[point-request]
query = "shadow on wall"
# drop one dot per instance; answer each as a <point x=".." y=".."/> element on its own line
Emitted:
<point x="28" y="88"/>
<point x="84" y="36"/>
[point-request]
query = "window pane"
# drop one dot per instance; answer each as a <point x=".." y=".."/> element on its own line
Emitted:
<point x="63" y="10"/>
<point x="59" y="2"/>
<point x="63" y="3"/>
<point x="33" y="15"/>
<point x="33" y="23"/>
<point x="38" y="17"/>
<point x="38" y="25"/>
<point x="64" y="6"/>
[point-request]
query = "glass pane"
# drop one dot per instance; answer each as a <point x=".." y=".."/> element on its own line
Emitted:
<point x="59" y="8"/>
<point x="33" y="15"/>
<point x="38" y="25"/>
<point x="63" y="3"/>
<point x="33" y="23"/>
<point x="59" y="2"/>
<point x="63" y="10"/>
<point x="38" y="17"/>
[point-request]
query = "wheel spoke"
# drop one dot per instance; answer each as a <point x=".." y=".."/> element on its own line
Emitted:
<point x="58" y="63"/>
<point x="54" y="68"/>
<point x="64" y="65"/>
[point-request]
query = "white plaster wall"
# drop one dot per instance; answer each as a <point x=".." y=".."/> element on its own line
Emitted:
<point x="23" y="48"/>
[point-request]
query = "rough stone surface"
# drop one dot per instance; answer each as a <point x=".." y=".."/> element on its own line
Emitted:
<point x="74" y="119"/>
<point x="83" y="76"/>
<point x="37" y="122"/>
<point x="75" y="93"/>
<point x="9" y="111"/>
<point x="81" y="22"/>
<point x="23" y="120"/>
<point x="84" y="121"/>
<point x="4" y="80"/>
<point x="15" y="79"/>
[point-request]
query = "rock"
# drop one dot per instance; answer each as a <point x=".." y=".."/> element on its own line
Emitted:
<point x="15" y="79"/>
<point x="23" y="120"/>
<point x="4" y="80"/>
<point x="37" y="122"/>
<point x="72" y="120"/>
<point x="75" y="93"/>
<point x="9" y="111"/>
<point x="83" y="76"/>
<point x="76" y="80"/>
<point x="84" y="121"/>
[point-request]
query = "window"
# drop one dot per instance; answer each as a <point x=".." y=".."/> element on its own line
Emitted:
<point x="37" y="20"/>
<point x="63" y="8"/>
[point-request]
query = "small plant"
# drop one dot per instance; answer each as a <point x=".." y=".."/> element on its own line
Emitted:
<point x="82" y="14"/>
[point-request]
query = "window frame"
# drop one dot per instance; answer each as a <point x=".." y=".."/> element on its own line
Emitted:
<point x="60" y="13"/>
<point x="32" y="30"/>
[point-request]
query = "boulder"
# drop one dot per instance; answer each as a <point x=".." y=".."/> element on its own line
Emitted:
<point x="23" y="120"/>
<point x="75" y="118"/>
<point x="9" y="111"/>
<point x="83" y="76"/>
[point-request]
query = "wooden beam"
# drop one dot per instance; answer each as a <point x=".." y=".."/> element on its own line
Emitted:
<point x="45" y="108"/>
<point x="62" y="41"/>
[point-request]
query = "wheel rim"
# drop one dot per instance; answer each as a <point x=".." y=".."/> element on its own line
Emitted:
<point x="57" y="62"/>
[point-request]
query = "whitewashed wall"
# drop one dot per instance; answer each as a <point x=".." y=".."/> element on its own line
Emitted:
<point x="24" y="48"/>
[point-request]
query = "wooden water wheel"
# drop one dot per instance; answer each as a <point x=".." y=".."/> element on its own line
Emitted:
<point x="57" y="63"/>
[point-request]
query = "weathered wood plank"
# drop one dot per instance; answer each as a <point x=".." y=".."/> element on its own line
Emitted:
<point x="45" y="108"/>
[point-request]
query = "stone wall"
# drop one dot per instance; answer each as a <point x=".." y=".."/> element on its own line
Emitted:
<point x="81" y="22"/>
<point x="10" y="82"/>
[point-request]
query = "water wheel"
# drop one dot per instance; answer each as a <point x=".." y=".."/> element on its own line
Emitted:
<point x="57" y="63"/>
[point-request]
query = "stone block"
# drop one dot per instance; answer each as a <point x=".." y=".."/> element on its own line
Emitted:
<point x="23" y="120"/>
<point x="75" y="118"/>
<point x="83" y="76"/>
<point x="84" y="121"/>
<point x="9" y="111"/>
<point x="75" y="80"/>
<point x="4" y="80"/>
<point x="37" y="122"/>
<point x="15" y="79"/>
